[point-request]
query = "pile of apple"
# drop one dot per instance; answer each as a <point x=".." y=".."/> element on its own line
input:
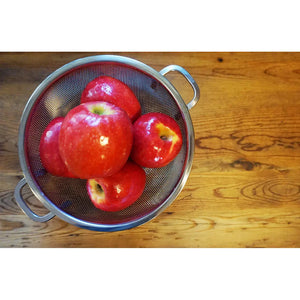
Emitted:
<point x="107" y="141"/>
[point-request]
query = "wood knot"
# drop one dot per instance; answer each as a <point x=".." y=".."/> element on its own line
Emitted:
<point x="285" y="189"/>
<point x="244" y="164"/>
<point x="272" y="192"/>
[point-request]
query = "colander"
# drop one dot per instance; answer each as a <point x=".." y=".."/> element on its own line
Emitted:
<point x="67" y="198"/>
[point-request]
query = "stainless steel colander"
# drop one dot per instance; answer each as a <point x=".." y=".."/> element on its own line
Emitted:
<point x="67" y="197"/>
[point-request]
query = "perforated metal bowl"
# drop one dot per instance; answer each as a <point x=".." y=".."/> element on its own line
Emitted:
<point x="67" y="197"/>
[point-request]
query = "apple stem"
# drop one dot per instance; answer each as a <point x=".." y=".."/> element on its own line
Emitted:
<point x="164" y="137"/>
<point x="99" y="187"/>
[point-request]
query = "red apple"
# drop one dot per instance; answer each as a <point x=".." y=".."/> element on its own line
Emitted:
<point x="157" y="140"/>
<point x="105" y="88"/>
<point x="95" y="139"/>
<point x="118" y="191"/>
<point x="49" y="151"/>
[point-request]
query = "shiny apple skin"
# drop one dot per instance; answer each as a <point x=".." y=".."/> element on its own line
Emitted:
<point x="106" y="88"/>
<point x="119" y="190"/>
<point x="49" y="150"/>
<point x="157" y="140"/>
<point x="93" y="145"/>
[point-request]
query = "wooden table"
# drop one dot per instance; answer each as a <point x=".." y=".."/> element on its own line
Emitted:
<point x="244" y="188"/>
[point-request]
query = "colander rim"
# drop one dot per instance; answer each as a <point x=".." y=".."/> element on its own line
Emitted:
<point x="33" y="185"/>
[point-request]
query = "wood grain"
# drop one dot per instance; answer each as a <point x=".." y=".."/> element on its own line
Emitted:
<point x="244" y="188"/>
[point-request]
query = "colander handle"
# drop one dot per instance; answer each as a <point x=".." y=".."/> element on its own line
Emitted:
<point x="189" y="78"/>
<point x="25" y="207"/>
